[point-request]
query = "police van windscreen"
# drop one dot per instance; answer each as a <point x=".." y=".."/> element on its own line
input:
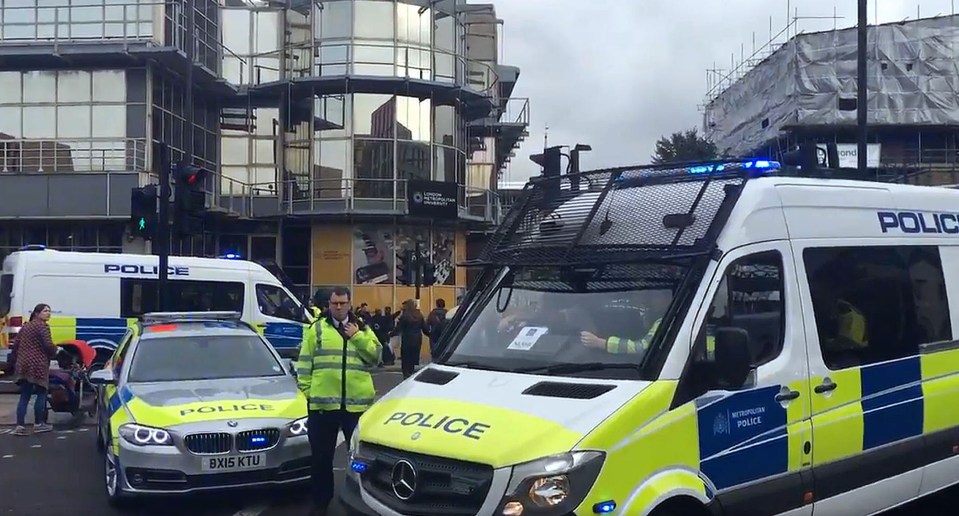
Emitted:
<point x="6" y="293"/>
<point x="543" y="317"/>
<point x="181" y="358"/>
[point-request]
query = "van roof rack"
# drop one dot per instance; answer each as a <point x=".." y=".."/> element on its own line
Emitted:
<point x="169" y="317"/>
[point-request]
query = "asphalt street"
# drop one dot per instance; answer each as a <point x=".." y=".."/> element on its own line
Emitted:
<point x="62" y="473"/>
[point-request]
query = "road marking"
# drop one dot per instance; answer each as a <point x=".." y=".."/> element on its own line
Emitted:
<point x="61" y="437"/>
<point x="6" y="431"/>
<point x="83" y="429"/>
<point x="8" y="456"/>
<point x="253" y="510"/>
<point x="35" y="446"/>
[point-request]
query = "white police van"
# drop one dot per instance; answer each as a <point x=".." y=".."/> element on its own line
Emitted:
<point x="95" y="297"/>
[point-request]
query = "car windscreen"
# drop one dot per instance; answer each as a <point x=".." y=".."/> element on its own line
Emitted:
<point x="6" y="291"/>
<point x="202" y="357"/>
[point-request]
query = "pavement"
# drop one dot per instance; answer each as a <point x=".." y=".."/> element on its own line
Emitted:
<point x="62" y="473"/>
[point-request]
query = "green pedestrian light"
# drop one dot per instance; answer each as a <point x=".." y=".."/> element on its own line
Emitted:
<point x="143" y="223"/>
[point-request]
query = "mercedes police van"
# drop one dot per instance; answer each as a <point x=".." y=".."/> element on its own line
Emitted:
<point x="714" y="339"/>
<point x="95" y="297"/>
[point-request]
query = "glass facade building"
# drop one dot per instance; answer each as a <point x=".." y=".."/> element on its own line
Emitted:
<point x="314" y="116"/>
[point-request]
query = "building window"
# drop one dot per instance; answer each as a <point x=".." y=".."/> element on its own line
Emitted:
<point x="70" y="121"/>
<point x="374" y="169"/>
<point x="874" y="304"/>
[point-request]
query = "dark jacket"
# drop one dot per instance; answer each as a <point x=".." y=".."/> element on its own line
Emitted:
<point x="411" y="332"/>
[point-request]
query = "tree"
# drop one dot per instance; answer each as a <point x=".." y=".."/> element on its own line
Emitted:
<point x="684" y="146"/>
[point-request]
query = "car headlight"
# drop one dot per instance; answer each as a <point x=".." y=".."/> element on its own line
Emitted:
<point x="298" y="427"/>
<point x="552" y="485"/>
<point x="145" y="435"/>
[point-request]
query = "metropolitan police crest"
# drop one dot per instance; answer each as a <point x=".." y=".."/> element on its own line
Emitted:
<point x="721" y="424"/>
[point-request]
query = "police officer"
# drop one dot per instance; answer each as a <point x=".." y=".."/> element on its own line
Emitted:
<point x="333" y="370"/>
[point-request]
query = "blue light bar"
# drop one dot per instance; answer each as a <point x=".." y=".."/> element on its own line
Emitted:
<point x="231" y="256"/>
<point x="604" y="507"/>
<point x="34" y="247"/>
<point x="258" y="440"/>
<point x="359" y="467"/>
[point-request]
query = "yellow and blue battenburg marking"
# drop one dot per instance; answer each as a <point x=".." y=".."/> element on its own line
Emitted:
<point x="742" y="437"/>
<point x="892" y="403"/>
<point x="119" y="397"/>
<point x="282" y="335"/>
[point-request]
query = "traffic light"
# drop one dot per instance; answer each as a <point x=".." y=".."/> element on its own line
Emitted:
<point x="190" y="197"/>
<point x="550" y="160"/>
<point x="143" y="211"/>
<point x="407" y="268"/>
<point x="429" y="274"/>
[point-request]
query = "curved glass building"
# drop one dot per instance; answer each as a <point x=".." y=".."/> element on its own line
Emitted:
<point x="340" y="133"/>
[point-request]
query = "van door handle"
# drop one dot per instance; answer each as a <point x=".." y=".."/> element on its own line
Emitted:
<point x="826" y="386"/>
<point x="787" y="396"/>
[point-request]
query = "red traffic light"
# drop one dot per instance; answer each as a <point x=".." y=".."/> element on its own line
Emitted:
<point x="191" y="175"/>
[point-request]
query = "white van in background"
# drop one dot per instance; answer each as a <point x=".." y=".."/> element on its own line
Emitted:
<point x="95" y="297"/>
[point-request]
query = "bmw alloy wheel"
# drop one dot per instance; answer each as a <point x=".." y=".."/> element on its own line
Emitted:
<point x="111" y="475"/>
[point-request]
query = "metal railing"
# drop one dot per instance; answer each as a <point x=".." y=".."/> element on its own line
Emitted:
<point x="73" y="155"/>
<point x="407" y="61"/>
<point x="91" y="21"/>
<point x="342" y="196"/>
<point x="515" y="111"/>
<point x="151" y="22"/>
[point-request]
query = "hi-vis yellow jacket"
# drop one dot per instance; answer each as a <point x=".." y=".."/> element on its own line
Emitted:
<point x="334" y="372"/>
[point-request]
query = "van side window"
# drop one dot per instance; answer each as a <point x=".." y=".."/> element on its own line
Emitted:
<point x="139" y="296"/>
<point x="750" y="297"/>
<point x="275" y="302"/>
<point x="873" y="304"/>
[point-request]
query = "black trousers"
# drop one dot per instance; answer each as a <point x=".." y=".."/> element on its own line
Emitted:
<point x="410" y="359"/>
<point x="322" y="430"/>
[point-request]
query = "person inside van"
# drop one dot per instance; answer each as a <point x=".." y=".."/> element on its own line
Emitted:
<point x="842" y="326"/>
<point x="654" y="305"/>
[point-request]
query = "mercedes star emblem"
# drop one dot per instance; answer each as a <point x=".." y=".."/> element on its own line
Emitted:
<point x="403" y="480"/>
<point x="232" y="424"/>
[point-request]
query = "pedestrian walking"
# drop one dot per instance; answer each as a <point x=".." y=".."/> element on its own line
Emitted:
<point x="333" y="370"/>
<point x="33" y="350"/>
<point x="411" y="326"/>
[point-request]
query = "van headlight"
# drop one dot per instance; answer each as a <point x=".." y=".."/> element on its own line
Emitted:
<point x="552" y="485"/>
<point x="145" y="435"/>
<point x="298" y="427"/>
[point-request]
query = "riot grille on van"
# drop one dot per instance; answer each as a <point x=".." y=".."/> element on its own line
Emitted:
<point x="616" y="216"/>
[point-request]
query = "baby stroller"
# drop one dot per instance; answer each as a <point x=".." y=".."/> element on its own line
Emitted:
<point x="70" y="389"/>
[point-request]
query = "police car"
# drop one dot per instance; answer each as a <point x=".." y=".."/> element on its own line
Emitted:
<point x="198" y="401"/>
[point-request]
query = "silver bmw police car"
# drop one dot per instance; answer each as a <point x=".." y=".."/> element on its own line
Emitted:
<point x="198" y="401"/>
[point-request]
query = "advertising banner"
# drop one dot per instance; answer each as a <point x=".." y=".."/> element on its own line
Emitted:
<point x="372" y="255"/>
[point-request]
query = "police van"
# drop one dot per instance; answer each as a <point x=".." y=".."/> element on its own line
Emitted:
<point x="724" y="338"/>
<point x="95" y="297"/>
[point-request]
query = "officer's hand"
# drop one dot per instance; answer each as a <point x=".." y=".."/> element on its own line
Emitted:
<point x="351" y="330"/>
<point x="591" y="340"/>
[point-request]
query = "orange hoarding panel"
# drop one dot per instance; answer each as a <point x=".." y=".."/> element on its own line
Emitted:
<point x="332" y="247"/>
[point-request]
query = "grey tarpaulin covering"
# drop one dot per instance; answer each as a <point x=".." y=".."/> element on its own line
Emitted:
<point x="913" y="79"/>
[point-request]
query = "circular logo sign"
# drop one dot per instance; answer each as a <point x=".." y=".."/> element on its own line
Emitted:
<point x="403" y="480"/>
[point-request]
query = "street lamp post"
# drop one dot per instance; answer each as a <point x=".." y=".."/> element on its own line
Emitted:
<point x="862" y="102"/>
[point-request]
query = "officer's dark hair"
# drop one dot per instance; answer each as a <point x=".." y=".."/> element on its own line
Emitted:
<point x="341" y="291"/>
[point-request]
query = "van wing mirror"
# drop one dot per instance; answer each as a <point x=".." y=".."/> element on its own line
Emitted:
<point x="733" y="357"/>
<point x="102" y="377"/>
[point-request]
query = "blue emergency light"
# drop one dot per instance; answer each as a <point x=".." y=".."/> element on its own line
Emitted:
<point x="604" y="507"/>
<point x="231" y="256"/>
<point x="359" y="467"/>
<point x="34" y="247"/>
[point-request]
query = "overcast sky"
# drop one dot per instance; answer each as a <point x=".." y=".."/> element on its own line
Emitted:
<point x="618" y="74"/>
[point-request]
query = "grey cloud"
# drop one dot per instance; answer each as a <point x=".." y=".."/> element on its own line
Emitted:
<point x="618" y="74"/>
